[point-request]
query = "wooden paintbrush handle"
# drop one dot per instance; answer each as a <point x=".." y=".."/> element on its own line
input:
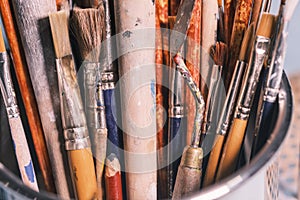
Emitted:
<point x="83" y="172"/>
<point x="189" y="172"/>
<point x="22" y="153"/>
<point x="113" y="178"/>
<point x="27" y="96"/>
<point x="213" y="161"/>
<point x="232" y="149"/>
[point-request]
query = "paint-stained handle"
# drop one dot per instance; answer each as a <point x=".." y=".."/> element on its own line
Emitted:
<point x="175" y="149"/>
<point x="100" y="140"/>
<point x="83" y="172"/>
<point x="189" y="172"/>
<point x="113" y="178"/>
<point x="115" y="138"/>
<point x="232" y="149"/>
<point x="213" y="161"/>
<point x="22" y="153"/>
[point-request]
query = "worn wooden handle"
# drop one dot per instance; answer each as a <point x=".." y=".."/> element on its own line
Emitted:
<point x="232" y="149"/>
<point x="22" y="153"/>
<point x="113" y="178"/>
<point x="213" y="161"/>
<point x="83" y="173"/>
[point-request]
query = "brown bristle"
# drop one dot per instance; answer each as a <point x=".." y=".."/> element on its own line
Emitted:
<point x="60" y="33"/>
<point x="266" y="25"/>
<point x="87" y="25"/>
<point x="220" y="53"/>
<point x="2" y="45"/>
<point x="89" y="3"/>
<point x="247" y="43"/>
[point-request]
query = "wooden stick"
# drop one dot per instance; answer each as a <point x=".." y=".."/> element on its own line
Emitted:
<point x="38" y="48"/>
<point x="229" y="12"/>
<point x="21" y="148"/>
<point x="137" y="101"/>
<point x="27" y="96"/>
<point x="193" y="62"/>
<point x="256" y="11"/>
<point x="209" y="38"/>
<point x="161" y="60"/>
<point x="241" y="20"/>
<point x="173" y="7"/>
<point x="77" y="141"/>
<point x="113" y="178"/>
<point x="236" y="135"/>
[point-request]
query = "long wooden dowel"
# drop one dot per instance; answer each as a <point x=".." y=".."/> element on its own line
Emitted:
<point x="137" y="87"/>
<point x="193" y="62"/>
<point x="34" y="28"/>
<point x="27" y="95"/>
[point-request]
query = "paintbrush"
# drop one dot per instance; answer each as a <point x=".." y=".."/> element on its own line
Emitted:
<point x="193" y="51"/>
<point x="228" y="106"/>
<point x="21" y="148"/>
<point x="233" y="144"/>
<point x="256" y="11"/>
<point x="34" y="29"/>
<point x="189" y="172"/>
<point x="177" y="120"/>
<point x="27" y="94"/>
<point x="86" y="25"/>
<point x="77" y="141"/>
<point x="273" y="79"/>
<point x="221" y="27"/>
<point x="241" y="20"/>
<point x="113" y="178"/>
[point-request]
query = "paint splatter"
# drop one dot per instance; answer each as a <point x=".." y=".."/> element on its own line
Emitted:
<point x="29" y="172"/>
<point x="127" y="34"/>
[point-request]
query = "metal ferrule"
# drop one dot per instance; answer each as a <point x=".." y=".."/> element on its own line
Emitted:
<point x="208" y="117"/>
<point x="276" y="69"/>
<point x="251" y="78"/>
<point x="176" y="100"/>
<point x="72" y="113"/>
<point x="100" y="107"/>
<point x="192" y="157"/>
<point x="109" y="74"/>
<point x="7" y="89"/>
<point x="200" y="104"/>
<point x="231" y="97"/>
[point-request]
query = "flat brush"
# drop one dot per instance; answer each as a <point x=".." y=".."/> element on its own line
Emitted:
<point x="87" y="25"/>
<point x="21" y="148"/>
<point x="240" y="24"/>
<point x="236" y="134"/>
<point x="77" y="141"/>
<point x="190" y="169"/>
<point x="27" y="94"/>
<point x="228" y="107"/>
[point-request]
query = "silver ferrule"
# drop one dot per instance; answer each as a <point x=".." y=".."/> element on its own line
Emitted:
<point x="176" y="100"/>
<point x="258" y="55"/>
<point x="7" y="88"/>
<point x="231" y="97"/>
<point x="100" y="107"/>
<point x="108" y="80"/>
<point x="72" y="113"/>
<point x="276" y="69"/>
<point x="200" y="104"/>
<point x="76" y="138"/>
<point x="208" y="117"/>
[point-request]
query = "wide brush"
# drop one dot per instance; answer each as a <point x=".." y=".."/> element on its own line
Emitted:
<point x="230" y="154"/>
<point x="87" y="25"/>
<point x="77" y="141"/>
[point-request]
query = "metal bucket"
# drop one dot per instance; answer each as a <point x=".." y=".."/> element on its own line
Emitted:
<point x="258" y="180"/>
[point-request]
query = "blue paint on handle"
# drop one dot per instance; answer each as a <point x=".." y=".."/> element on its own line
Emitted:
<point x="30" y="172"/>
<point x="177" y="142"/>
